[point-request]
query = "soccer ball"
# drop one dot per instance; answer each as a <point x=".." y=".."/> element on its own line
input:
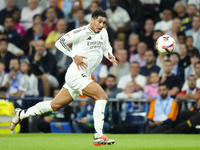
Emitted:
<point x="165" y="44"/>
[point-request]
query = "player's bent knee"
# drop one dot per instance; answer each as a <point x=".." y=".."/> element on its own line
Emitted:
<point x="103" y="96"/>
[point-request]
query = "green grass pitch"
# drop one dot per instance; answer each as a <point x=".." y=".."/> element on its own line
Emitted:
<point x="85" y="142"/>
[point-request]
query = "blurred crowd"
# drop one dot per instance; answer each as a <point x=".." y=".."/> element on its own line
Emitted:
<point x="31" y="66"/>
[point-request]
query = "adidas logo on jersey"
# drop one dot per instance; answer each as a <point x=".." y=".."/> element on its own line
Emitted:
<point x="89" y="38"/>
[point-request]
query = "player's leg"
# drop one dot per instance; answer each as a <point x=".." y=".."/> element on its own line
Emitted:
<point x="98" y="94"/>
<point x="62" y="99"/>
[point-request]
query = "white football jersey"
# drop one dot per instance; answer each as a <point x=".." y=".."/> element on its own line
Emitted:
<point x="85" y="43"/>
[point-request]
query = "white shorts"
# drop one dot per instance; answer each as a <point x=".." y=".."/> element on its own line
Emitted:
<point x="52" y="81"/>
<point x="75" y="82"/>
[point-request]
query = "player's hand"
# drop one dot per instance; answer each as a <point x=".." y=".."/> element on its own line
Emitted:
<point x="112" y="58"/>
<point x="79" y="62"/>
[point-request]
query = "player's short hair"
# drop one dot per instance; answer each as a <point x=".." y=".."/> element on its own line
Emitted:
<point x="111" y="76"/>
<point x="98" y="13"/>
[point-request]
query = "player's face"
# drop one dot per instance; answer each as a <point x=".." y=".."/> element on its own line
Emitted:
<point x="98" y="24"/>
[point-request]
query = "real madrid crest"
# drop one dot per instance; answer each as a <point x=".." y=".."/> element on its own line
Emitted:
<point x="101" y="37"/>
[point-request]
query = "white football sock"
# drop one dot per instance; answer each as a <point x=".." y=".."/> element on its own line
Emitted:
<point x="98" y="114"/>
<point x="38" y="109"/>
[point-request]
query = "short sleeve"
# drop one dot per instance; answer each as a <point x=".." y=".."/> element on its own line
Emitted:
<point x="5" y="78"/>
<point x="103" y="71"/>
<point x="121" y="84"/>
<point x="185" y="85"/>
<point x="22" y="85"/>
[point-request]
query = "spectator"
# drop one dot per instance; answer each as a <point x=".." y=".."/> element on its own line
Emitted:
<point x="191" y="49"/>
<point x="176" y="70"/>
<point x="151" y="9"/>
<point x="31" y="84"/>
<point x="118" y="44"/>
<point x="141" y="48"/>
<point x="192" y="92"/>
<point x="111" y="86"/>
<point x="129" y="92"/>
<point x="156" y="35"/>
<point x="5" y="55"/>
<point x="181" y="39"/>
<point x="194" y="2"/>
<point x="147" y="34"/>
<point x="79" y="16"/>
<point x="11" y="47"/>
<point x="133" y="43"/>
<point x="195" y="32"/>
<point x="195" y="57"/>
<point x="118" y="18"/>
<point x="13" y="36"/>
<point x="135" y="11"/>
<point x="36" y="18"/>
<point x="191" y="10"/>
<point x="76" y="4"/>
<point x="30" y="42"/>
<point x="163" y="112"/>
<point x="151" y="90"/>
<point x="100" y="73"/>
<point x="62" y="60"/>
<point x="9" y="10"/>
<point x="28" y="13"/>
<point x="150" y="65"/>
<point x="123" y="66"/>
<point x="160" y="60"/>
<point x="15" y="81"/>
<point x="184" y="58"/>
<point x="173" y="82"/>
<point x="138" y="80"/>
<point x="54" y="4"/>
<point x="197" y="73"/>
<point x="94" y="6"/>
<point x="84" y="122"/>
<point x="176" y="25"/>
<point x="2" y="72"/>
<point x="167" y="21"/>
<point x="50" y="23"/>
<point x="180" y="11"/>
<point x="17" y="25"/>
<point x="44" y="66"/>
